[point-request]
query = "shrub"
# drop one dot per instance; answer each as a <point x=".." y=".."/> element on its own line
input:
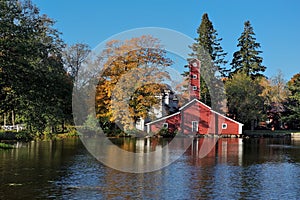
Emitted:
<point x="6" y="146"/>
<point x="24" y="136"/>
<point x="166" y="133"/>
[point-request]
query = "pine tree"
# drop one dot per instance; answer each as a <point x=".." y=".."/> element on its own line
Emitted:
<point x="208" y="50"/>
<point x="247" y="58"/>
<point x="209" y="41"/>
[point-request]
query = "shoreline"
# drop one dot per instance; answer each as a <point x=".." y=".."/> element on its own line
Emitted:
<point x="246" y="134"/>
<point x="269" y="133"/>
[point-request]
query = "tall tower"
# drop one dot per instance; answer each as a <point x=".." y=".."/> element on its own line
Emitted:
<point x="194" y="86"/>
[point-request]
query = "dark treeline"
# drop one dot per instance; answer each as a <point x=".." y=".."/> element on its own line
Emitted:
<point x="35" y="87"/>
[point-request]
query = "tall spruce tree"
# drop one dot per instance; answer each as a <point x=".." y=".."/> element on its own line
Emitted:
<point x="208" y="50"/>
<point x="247" y="58"/>
<point x="208" y="39"/>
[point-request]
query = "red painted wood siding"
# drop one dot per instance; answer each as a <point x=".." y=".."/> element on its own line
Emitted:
<point x="194" y="70"/>
<point x="195" y="112"/>
<point x="232" y="127"/>
<point x="173" y="124"/>
<point x="216" y="125"/>
<point x="209" y="122"/>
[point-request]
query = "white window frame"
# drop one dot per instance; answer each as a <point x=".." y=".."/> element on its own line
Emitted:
<point x="195" y="88"/>
<point x="224" y="125"/>
<point x="165" y="125"/>
<point x="194" y="76"/>
<point x="138" y="122"/>
<point x="196" y="125"/>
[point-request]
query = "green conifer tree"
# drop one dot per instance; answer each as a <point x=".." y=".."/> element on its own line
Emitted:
<point x="208" y="50"/>
<point x="247" y="58"/>
<point x="208" y="39"/>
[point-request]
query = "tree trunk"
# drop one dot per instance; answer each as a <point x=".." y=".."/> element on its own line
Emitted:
<point x="4" y="119"/>
<point x="12" y="118"/>
<point x="63" y="126"/>
<point x="252" y="125"/>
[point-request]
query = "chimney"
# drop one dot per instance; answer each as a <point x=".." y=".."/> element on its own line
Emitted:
<point x="194" y="84"/>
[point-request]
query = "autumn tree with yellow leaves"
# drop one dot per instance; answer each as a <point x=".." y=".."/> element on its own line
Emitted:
<point x="131" y="79"/>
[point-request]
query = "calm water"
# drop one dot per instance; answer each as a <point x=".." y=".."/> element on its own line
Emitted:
<point x="234" y="169"/>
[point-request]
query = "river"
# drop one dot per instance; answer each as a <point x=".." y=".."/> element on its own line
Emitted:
<point x="233" y="169"/>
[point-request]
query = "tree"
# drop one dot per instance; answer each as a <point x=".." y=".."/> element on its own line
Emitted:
<point x="10" y="15"/>
<point x="209" y="51"/>
<point x="74" y="56"/>
<point x="244" y="101"/>
<point x="247" y="58"/>
<point x="275" y="94"/>
<point x="292" y="116"/>
<point x="208" y="39"/>
<point x="35" y="85"/>
<point x="130" y="80"/>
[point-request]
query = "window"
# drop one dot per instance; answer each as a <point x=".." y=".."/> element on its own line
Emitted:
<point x="138" y="122"/>
<point x="194" y="126"/>
<point x="165" y="125"/>
<point x="195" y="64"/>
<point x="224" y="126"/>
<point x="194" y="76"/>
<point x="194" y="87"/>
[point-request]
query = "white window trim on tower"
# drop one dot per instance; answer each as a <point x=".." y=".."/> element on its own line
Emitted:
<point x="195" y="87"/>
<point x="195" y="76"/>
<point x="195" y="64"/>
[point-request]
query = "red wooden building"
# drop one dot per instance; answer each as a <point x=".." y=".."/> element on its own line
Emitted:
<point x="195" y="117"/>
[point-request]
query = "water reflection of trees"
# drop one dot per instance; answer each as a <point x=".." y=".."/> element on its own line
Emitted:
<point x="274" y="150"/>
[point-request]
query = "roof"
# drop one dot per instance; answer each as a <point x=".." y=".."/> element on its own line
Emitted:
<point x="189" y="103"/>
<point x="163" y="118"/>
<point x="192" y="101"/>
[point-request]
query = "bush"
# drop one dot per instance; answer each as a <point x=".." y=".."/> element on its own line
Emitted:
<point x="72" y="132"/>
<point x="136" y="132"/>
<point x="6" y="146"/>
<point x="1" y="135"/>
<point x="7" y="135"/>
<point x="24" y="136"/>
<point x="166" y="133"/>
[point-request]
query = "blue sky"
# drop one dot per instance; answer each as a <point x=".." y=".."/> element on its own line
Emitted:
<point x="276" y="23"/>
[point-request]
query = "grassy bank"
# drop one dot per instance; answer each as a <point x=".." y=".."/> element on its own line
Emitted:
<point x="27" y="136"/>
<point x="6" y="146"/>
<point x="268" y="133"/>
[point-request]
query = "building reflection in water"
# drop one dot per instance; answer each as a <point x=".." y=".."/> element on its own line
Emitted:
<point x="225" y="150"/>
<point x="143" y="152"/>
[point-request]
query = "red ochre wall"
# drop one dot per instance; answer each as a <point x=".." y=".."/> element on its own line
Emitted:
<point x="209" y="122"/>
<point x="173" y="124"/>
<point x="194" y="70"/>
<point x="232" y="127"/>
<point x="219" y="120"/>
<point x="195" y="112"/>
